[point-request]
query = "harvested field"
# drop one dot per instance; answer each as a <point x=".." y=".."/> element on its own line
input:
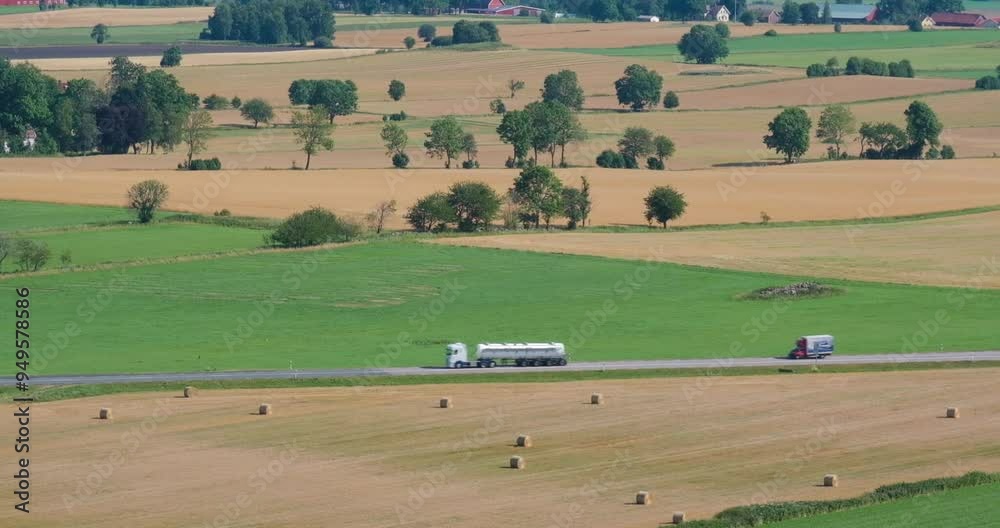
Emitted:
<point x="956" y="251"/>
<point x="86" y="17"/>
<point x="709" y="446"/>
<point x="247" y="55"/>
<point x="793" y="192"/>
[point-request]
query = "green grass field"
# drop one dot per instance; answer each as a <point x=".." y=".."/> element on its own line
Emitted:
<point x="13" y="10"/>
<point x="19" y="216"/>
<point x="973" y="507"/>
<point x="343" y="307"/>
<point x="949" y="53"/>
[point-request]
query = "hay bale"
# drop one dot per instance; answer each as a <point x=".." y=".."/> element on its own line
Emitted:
<point x="517" y="462"/>
<point x="830" y="481"/>
<point x="524" y="441"/>
<point x="952" y="412"/>
<point x="188" y="392"/>
<point x="644" y="498"/>
<point x="105" y="413"/>
<point x="445" y="403"/>
<point x="265" y="409"/>
<point x="596" y="398"/>
<point x="678" y="517"/>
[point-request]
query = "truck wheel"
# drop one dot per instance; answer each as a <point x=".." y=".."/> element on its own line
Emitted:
<point x="562" y="362"/>
<point x="519" y="363"/>
<point x="491" y="364"/>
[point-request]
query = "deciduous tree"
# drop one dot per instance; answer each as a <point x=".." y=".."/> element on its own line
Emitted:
<point x="789" y="133"/>
<point x="312" y="132"/>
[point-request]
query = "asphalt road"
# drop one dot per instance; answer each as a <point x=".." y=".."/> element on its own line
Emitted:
<point x="707" y="364"/>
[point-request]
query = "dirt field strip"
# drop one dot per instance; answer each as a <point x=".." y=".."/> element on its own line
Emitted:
<point x="906" y="252"/>
<point x="90" y="16"/>
<point x="206" y="59"/>
<point x="792" y="192"/>
<point x="711" y="443"/>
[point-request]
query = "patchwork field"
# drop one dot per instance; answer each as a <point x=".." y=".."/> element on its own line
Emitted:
<point x="88" y="17"/>
<point x="385" y="446"/>
<point x="206" y="59"/>
<point x="955" y="251"/>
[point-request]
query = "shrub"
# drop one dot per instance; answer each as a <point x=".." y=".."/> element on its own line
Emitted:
<point x="146" y="197"/>
<point x="322" y="42"/>
<point x="202" y="164"/>
<point x="630" y="162"/>
<point x="206" y="34"/>
<point x="654" y="163"/>
<point x="853" y="66"/>
<point x="770" y="33"/>
<point x="467" y="32"/>
<point x="546" y="18"/>
<point x="747" y="18"/>
<point x="66" y="257"/>
<point x="431" y="213"/>
<point x="817" y="70"/>
<point x="171" y="57"/>
<point x="470" y="164"/>
<point x="401" y="116"/>
<point x="837" y="28"/>
<point x="216" y="102"/>
<point x="438" y="42"/>
<point x="990" y="82"/>
<point x="915" y="25"/>
<point x="722" y="29"/>
<point x="497" y="106"/>
<point x="609" y="159"/>
<point x="947" y="152"/>
<point x="236" y="102"/>
<point x="670" y="100"/>
<point x="427" y="32"/>
<point x="400" y="160"/>
<point x="409" y="42"/>
<point x="222" y="212"/>
<point x="313" y="227"/>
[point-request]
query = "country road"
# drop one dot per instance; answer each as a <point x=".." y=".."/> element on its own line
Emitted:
<point x="711" y="364"/>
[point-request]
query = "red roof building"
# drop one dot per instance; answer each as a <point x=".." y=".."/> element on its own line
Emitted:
<point x="30" y="2"/>
<point x="498" y="8"/>
<point x="962" y="20"/>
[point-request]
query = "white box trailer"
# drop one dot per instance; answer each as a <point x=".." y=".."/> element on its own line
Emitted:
<point x="489" y="355"/>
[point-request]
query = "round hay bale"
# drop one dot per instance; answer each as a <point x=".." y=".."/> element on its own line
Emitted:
<point x="517" y="462"/>
<point x="265" y="409"/>
<point x="644" y="498"/>
<point x="678" y="517"/>
<point x="830" y="481"/>
<point x="105" y="413"/>
<point x="188" y="392"/>
<point x="596" y="398"/>
<point x="524" y="441"/>
<point x="952" y="412"/>
<point x="445" y="403"/>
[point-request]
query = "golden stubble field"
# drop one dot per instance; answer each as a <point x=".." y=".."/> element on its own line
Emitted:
<point x="90" y="16"/>
<point x="207" y="59"/>
<point x="386" y="456"/>
<point x="848" y="189"/>
<point x="958" y="251"/>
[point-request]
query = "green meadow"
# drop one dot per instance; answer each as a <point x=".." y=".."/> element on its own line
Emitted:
<point x="398" y="303"/>
<point x="20" y="216"/>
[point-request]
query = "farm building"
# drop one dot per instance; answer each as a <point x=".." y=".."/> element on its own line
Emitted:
<point x="770" y="17"/>
<point x="963" y="20"/>
<point x="853" y="13"/>
<point x="498" y="8"/>
<point x="719" y="13"/>
<point x="927" y="22"/>
<point x="648" y="18"/>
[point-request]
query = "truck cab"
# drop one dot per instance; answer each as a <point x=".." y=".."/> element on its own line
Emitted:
<point x="456" y="355"/>
<point x="812" y="346"/>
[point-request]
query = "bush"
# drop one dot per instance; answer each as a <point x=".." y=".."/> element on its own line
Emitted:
<point x="466" y="32"/>
<point x="630" y="162"/>
<point x="206" y="34"/>
<point x="201" y="165"/>
<point x="609" y="159"/>
<point x="654" y="163"/>
<point x="431" y="213"/>
<point x="401" y="116"/>
<point x="171" y="57"/>
<point x="837" y="28"/>
<point x="915" y="25"/>
<point x="670" y="100"/>
<point x="947" y="152"/>
<point x="817" y="70"/>
<point x="313" y="227"/>
<point x="409" y="42"/>
<point x="236" y="102"/>
<point x="222" y="212"/>
<point x="990" y="82"/>
<point x="400" y="160"/>
<point x="216" y="102"/>
<point x="770" y="33"/>
<point x="470" y="164"/>
<point x="146" y="197"/>
<point x="722" y="29"/>
<point x="322" y="42"/>
<point x="427" y="32"/>
<point x="546" y="18"/>
<point x="747" y="18"/>
<point x="497" y="106"/>
<point x="438" y="42"/>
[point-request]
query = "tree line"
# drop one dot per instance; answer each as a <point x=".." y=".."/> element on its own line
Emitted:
<point x="860" y="66"/>
<point x="271" y="21"/>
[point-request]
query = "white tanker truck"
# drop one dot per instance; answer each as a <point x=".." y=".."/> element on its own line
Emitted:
<point x="489" y="355"/>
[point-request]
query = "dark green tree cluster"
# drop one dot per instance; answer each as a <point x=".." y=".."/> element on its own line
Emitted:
<point x="638" y="143"/>
<point x="903" y="11"/>
<point x="271" y="21"/>
<point x="336" y="97"/>
<point x="542" y="126"/>
<point x="471" y="206"/>
<point x="703" y="44"/>
<point x="313" y="227"/>
<point x="989" y="82"/>
<point x="136" y="3"/>
<point x="861" y="66"/>
<point x="466" y="32"/>
<point x="639" y="88"/>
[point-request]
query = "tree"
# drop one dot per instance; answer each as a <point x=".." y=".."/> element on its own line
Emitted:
<point x="409" y="42"/>
<point x="922" y="127"/>
<point x="445" y="139"/>
<point x="576" y="204"/>
<point x="515" y="130"/>
<point x="216" y="102"/>
<point x="567" y="130"/>
<point x="790" y="13"/>
<point x="431" y="213"/>
<point x="312" y="132"/>
<point x="636" y="143"/>
<point x="563" y="87"/>
<point x="497" y="106"/>
<point x="382" y="212"/>
<point x="639" y="88"/>
<point x="146" y="197"/>
<point x="470" y="147"/>
<point x="468" y="32"/>
<point x="664" y="204"/>
<point x="827" y="15"/>
<point x="747" y="18"/>
<point x="881" y="140"/>
<point x="220" y="24"/>
<point x="313" y="227"/>
<point x="171" y="57"/>
<point x="515" y="85"/>
<point x="836" y="122"/>
<point x="809" y="13"/>
<point x="687" y="9"/>
<point x="609" y="159"/>
<point x="703" y="45"/>
<point x="196" y="131"/>
<point x="604" y="11"/>
<point x="947" y="152"/>
<point x="395" y="139"/>
<point x="31" y="255"/>
<point x="337" y="98"/>
<point x="6" y="247"/>
<point x="396" y="90"/>
<point x="475" y="205"/>
<point x="538" y="192"/>
<point x="670" y="100"/>
<point x="663" y="148"/>
<point x="236" y="102"/>
<point x="258" y="111"/>
<point x="853" y="66"/>
<point x="427" y="32"/>
<point x="789" y="133"/>
<point x="100" y="33"/>
<point x="722" y="29"/>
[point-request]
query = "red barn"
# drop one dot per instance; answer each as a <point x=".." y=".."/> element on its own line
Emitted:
<point x="961" y="20"/>
<point x="498" y="8"/>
